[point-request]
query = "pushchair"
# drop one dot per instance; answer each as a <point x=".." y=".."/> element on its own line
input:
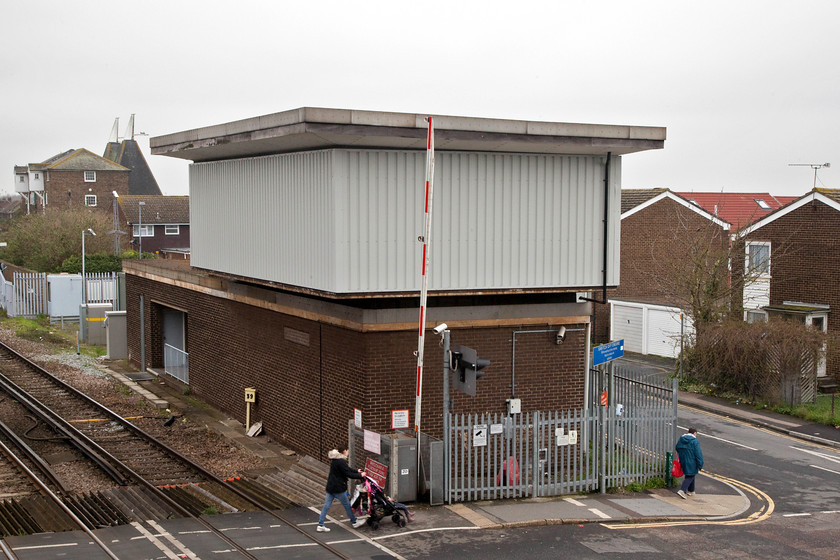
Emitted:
<point x="370" y="499"/>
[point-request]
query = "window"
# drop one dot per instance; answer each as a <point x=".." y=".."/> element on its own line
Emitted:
<point x="148" y="230"/>
<point x="22" y="179"/>
<point x="90" y="200"/>
<point x="758" y="258"/>
<point x="90" y="176"/>
<point x="756" y="317"/>
<point x="37" y="175"/>
<point x="170" y="229"/>
<point x="762" y="204"/>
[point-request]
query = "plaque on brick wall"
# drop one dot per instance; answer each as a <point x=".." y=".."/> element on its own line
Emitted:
<point x="296" y="336"/>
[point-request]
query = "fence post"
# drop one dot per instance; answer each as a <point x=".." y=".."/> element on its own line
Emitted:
<point x="602" y="436"/>
<point x="669" y="460"/>
<point x="536" y="471"/>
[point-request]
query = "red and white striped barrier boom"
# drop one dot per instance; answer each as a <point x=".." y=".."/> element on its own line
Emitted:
<point x="424" y="269"/>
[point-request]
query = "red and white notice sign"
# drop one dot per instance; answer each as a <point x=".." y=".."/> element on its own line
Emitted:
<point x="377" y="471"/>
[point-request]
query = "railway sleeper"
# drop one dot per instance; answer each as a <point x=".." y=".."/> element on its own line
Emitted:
<point x="196" y="505"/>
<point x="139" y="504"/>
<point x="262" y="494"/>
<point x="86" y="508"/>
<point x="11" y="523"/>
<point x="230" y="496"/>
<point x="105" y="505"/>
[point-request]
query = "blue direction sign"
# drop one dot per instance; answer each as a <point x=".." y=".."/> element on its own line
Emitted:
<point x="607" y="352"/>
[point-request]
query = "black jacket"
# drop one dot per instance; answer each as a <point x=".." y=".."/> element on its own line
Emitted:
<point x="340" y="471"/>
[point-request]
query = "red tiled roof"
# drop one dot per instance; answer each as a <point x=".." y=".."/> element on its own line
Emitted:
<point x="739" y="209"/>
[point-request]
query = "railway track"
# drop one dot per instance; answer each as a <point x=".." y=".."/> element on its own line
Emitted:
<point x="147" y="480"/>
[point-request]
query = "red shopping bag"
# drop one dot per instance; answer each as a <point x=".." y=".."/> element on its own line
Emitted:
<point x="676" y="469"/>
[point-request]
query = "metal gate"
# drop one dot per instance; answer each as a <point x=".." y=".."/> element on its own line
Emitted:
<point x="493" y="456"/>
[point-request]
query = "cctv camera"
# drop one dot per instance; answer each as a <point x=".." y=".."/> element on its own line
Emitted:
<point x="561" y="335"/>
<point x="440" y="328"/>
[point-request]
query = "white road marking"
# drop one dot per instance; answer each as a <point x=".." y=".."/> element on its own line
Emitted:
<point x="599" y="513"/>
<point x="573" y="501"/>
<point x="36" y="547"/>
<point x="430" y="530"/>
<point x="361" y="536"/>
<point x="705" y="435"/>
<point x="797" y="515"/>
<point x="825" y="469"/>
<point x="185" y="551"/>
<point x="826" y="456"/>
<point x="154" y="540"/>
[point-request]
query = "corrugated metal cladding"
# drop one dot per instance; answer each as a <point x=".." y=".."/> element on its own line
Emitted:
<point x="347" y="221"/>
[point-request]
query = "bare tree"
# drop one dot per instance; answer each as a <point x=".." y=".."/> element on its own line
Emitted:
<point x="700" y="266"/>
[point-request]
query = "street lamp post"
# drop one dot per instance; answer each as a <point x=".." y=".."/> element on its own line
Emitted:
<point x="140" y="206"/>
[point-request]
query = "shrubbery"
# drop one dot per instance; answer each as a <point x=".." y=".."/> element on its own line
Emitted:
<point x="763" y="361"/>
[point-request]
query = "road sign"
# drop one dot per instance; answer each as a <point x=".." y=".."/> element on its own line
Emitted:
<point x="607" y="352"/>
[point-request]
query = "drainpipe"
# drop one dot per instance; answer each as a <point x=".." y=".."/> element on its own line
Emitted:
<point x="603" y="299"/>
<point x="142" y="335"/>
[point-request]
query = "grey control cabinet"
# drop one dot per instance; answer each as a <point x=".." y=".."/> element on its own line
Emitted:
<point x="403" y="479"/>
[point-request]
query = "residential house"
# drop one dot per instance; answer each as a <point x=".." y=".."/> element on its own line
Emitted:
<point x="308" y="252"/>
<point x="81" y="178"/>
<point x="72" y="178"/>
<point x="10" y="206"/>
<point x="737" y="209"/>
<point x="158" y="224"/>
<point x="795" y="252"/>
<point x="662" y="237"/>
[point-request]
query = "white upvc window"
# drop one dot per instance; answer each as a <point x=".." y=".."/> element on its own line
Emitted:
<point x="172" y="229"/>
<point x="758" y="258"/>
<point x="90" y="176"/>
<point x="146" y="230"/>
<point x="756" y="317"/>
<point x="90" y="200"/>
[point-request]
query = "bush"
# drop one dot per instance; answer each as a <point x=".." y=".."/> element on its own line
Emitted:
<point x="98" y="262"/>
<point x="761" y="361"/>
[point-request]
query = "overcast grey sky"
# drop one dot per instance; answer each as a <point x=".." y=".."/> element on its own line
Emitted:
<point x="744" y="87"/>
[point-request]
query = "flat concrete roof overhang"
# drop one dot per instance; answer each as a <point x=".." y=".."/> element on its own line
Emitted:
<point x="311" y="128"/>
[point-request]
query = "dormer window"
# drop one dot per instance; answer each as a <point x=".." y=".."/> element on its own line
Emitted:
<point x="90" y="176"/>
<point x="762" y="204"/>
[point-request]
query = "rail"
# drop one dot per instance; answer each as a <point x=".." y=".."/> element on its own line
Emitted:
<point x="176" y="363"/>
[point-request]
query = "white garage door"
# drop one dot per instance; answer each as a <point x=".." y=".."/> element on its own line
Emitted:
<point x="648" y="329"/>
<point x="663" y="332"/>
<point x="628" y="324"/>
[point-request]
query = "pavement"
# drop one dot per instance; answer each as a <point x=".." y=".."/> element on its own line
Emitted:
<point x="721" y="498"/>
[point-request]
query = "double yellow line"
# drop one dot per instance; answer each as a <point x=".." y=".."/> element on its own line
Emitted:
<point x="764" y="512"/>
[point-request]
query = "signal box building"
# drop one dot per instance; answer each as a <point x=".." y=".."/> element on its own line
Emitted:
<point x="305" y="269"/>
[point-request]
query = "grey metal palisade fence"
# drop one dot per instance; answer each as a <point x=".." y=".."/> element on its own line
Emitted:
<point x="539" y="453"/>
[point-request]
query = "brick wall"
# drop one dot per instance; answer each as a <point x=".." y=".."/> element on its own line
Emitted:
<point x="73" y="182"/>
<point x="805" y="260"/>
<point x="310" y="376"/>
<point x="657" y="243"/>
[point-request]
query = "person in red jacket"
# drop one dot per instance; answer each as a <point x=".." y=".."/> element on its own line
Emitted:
<point x="340" y="471"/>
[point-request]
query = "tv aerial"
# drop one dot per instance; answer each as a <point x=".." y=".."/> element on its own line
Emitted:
<point x="814" y="166"/>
